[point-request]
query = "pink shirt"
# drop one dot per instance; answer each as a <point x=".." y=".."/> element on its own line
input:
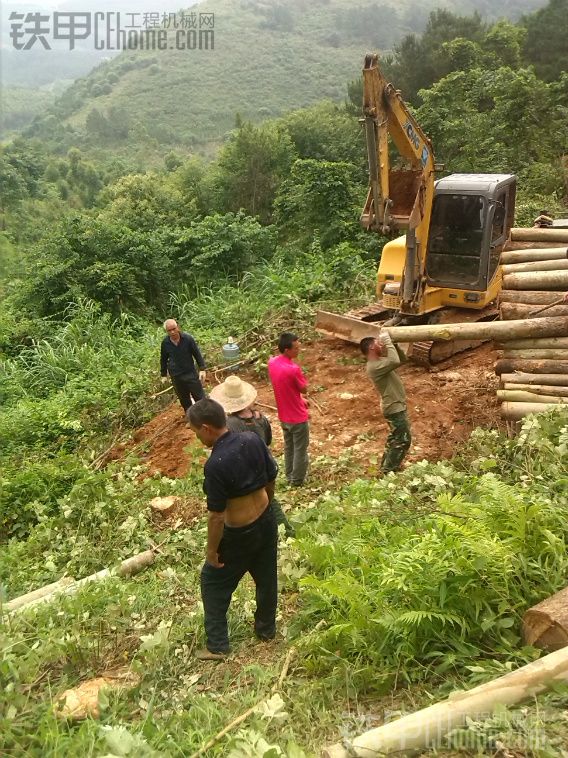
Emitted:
<point x="287" y="380"/>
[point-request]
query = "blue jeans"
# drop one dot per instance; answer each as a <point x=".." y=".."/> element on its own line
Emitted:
<point x="251" y="548"/>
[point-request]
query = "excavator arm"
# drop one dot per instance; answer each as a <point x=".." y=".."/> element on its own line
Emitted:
<point x="397" y="199"/>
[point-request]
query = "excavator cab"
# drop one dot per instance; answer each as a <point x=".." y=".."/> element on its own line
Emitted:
<point x="471" y="218"/>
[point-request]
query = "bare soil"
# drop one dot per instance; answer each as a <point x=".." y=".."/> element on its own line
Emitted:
<point x="445" y="403"/>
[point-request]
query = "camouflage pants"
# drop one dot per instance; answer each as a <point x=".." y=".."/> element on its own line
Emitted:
<point x="398" y="442"/>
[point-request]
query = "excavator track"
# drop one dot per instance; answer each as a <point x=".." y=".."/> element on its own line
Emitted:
<point x="428" y="353"/>
<point x="370" y="313"/>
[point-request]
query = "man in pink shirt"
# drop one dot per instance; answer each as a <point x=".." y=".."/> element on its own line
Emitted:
<point x="290" y="386"/>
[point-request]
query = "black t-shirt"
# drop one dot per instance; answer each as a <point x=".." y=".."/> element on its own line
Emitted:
<point x="240" y="463"/>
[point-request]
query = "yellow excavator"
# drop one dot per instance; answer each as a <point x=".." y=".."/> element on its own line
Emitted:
<point x="445" y="268"/>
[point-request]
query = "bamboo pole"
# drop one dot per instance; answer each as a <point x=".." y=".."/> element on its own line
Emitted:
<point x="538" y="389"/>
<point x="510" y="365"/>
<point x="536" y="234"/>
<point x="532" y="297"/>
<point x="544" y="254"/>
<point x="536" y="280"/>
<point x="537" y="354"/>
<point x="517" y="311"/>
<point x="429" y="725"/>
<point x="521" y="377"/>
<point x="520" y="396"/>
<point x="353" y="329"/>
<point x="534" y="344"/>
<point x="517" y="411"/>
<point x="519" y="268"/>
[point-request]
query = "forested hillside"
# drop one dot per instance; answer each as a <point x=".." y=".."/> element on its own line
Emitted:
<point x="394" y="592"/>
<point x="269" y="58"/>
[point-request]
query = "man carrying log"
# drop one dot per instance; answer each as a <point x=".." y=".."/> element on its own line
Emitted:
<point x="242" y="534"/>
<point x="383" y="358"/>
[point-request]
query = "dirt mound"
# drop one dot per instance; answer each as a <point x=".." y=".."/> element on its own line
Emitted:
<point x="444" y="404"/>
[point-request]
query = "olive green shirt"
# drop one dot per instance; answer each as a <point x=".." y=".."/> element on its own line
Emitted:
<point x="383" y="375"/>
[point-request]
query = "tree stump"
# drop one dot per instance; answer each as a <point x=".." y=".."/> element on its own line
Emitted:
<point x="164" y="507"/>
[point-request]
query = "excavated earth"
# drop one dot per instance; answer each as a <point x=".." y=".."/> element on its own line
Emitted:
<point x="445" y="403"/>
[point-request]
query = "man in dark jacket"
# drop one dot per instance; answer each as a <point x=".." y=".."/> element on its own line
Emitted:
<point x="178" y="356"/>
<point x="242" y="535"/>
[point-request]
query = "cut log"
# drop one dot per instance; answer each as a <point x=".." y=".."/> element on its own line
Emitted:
<point x="517" y="411"/>
<point x="29" y="597"/>
<point x="535" y="234"/>
<point x="128" y="567"/>
<point x="510" y="365"/>
<point x="519" y="396"/>
<point x="513" y="246"/>
<point x="546" y="343"/>
<point x="519" y="268"/>
<point x="345" y="327"/>
<point x="545" y="254"/>
<point x="522" y="329"/>
<point x="516" y="311"/>
<point x="546" y="625"/>
<point x="537" y="354"/>
<point x="532" y="297"/>
<point x="427" y="727"/>
<point x="537" y="280"/>
<point x="538" y="389"/>
<point x="558" y="380"/>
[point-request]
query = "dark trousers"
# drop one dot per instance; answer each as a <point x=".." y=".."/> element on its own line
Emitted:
<point x="296" y="441"/>
<point x="187" y="386"/>
<point x="251" y="548"/>
<point x="398" y="442"/>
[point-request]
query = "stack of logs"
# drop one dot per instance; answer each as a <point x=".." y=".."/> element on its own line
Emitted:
<point x="533" y="372"/>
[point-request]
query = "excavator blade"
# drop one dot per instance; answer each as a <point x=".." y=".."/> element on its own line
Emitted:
<point x="345" y="327"/>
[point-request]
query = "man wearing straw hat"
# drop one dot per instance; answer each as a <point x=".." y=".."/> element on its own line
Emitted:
<point x="237" y="398"/>
<point x="242" y="535"/>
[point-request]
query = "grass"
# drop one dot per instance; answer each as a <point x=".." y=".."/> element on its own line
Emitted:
<point x="153" y="622"/>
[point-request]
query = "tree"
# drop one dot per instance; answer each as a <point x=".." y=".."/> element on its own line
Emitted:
<point x="421" y="61"/>
<point x="491" y="120"/>
<point x="118" y="267"/>
<point x="222" y="245"/>
<point x="321" y="198"/>
<point x="546" y="44"/>
<point x="328" y="132"/>
<point x="250" y="169"/>
<point x="143" y="202"/>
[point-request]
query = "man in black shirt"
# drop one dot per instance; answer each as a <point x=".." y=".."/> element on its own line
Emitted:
<point x="242" y="534"/>
<point x="178" y="352"/>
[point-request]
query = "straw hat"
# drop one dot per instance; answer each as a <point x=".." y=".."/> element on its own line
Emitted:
<point x="234" y="394"/>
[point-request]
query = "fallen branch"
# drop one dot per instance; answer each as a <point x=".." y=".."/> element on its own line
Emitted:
<point x="161" y="392"/>
<point x="244" y="716"/>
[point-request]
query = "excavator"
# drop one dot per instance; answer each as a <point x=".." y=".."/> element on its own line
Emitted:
<point x="445" y="266"/>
